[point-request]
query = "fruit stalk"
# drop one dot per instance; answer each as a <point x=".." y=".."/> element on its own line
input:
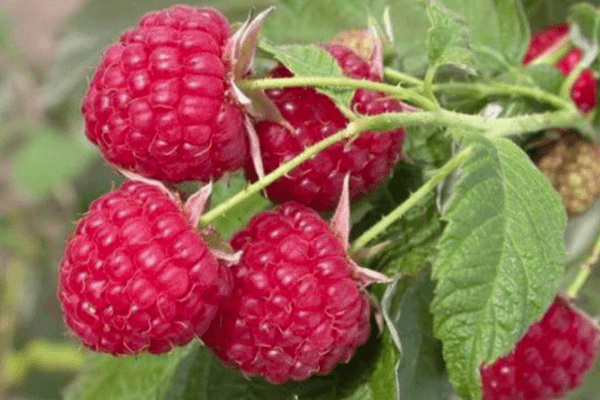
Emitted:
<point x="395" y="75"/>
<point x="584" y="271"/>
<point x="383" y="122"/>
<point x="341" y="82"/>
<point x="495" y="89"/>
<point x="413" y="200"/>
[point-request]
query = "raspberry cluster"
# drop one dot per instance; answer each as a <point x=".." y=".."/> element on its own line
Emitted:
<point x="137" y="276"/>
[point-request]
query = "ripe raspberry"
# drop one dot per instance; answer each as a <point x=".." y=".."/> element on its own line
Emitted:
<point x="137" y="276"/>
<point x="573" y="166"/>
<point x="296" y="308"/>
<point x="370" y="158"/>
<point x="549" y="360"/>
<point x="585" y="89"/>
<point x="159" y="101"/>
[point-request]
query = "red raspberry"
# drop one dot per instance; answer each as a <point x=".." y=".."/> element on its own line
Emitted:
<point x="137" y="276"/>
<point x="159" y="101"/>
<point x="551" y="359"/>
<point x="585" y="89"/>
<point x="370" y="158"/>
<point x="296" y="308"/>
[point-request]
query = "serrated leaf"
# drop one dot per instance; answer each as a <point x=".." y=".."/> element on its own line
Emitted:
<point x="147" y="376"/>
<point x="421" y="371"/>
<point x="202" y="377"/>
<point x="500" y="259"/>
<point x="49" y="160"/>
<point x="311" y="60"/>
<point x="497" y="27"/>
<point x="448" y="39"/>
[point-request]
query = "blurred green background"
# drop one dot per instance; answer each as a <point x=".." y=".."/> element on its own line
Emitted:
<point x="49" y="173"/>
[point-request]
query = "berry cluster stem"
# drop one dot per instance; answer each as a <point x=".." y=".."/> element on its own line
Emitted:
<point x="385" y="122"/>
<point x="413" y="200"/>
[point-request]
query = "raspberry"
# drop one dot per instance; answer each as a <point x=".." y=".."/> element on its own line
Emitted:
<point x="296" y="308"/>
<point x="573" y="166"/>
<point x="585" y="89"/>
<point x="137" y="276"/>
<point x="159" y="102"/>
<point x="370" y="158"/>
<point x="551" y="359"/>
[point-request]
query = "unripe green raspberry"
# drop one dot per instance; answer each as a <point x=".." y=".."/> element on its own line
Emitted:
<point x="573" y="166"/>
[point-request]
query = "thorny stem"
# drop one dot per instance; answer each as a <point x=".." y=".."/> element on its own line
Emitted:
<point x="384" y="122"/>
<point x="413" y="200"/>
<point x="339" y="82"/>
<point x="584" y="271"/>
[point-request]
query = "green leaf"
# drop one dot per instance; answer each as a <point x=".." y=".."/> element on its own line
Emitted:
<point x="147" y="376"/>
<point x="202" y="377"/>
<point x="500" y="259"/>
<point x="384" y="380"/>
<point x="50" y="160"/>
<point x="421" y="372"/>
<point x="311" y="60"/>
<point x="497" y="27"/>
<point x="448" y="39"/>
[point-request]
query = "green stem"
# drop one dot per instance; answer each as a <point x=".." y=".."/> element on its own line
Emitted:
<point x="584" y="271"/>
<point x="504" y="89"/>
<point x="338" y="82"/>
<point x="397" y="76"/>
<point x="565" y="89"/>
<point x="412" y="201"/>
<point x="385" y="122"/>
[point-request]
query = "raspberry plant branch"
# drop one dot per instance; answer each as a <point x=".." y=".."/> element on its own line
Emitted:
<point x="384" y="122"/>
<point x="584" y="271"/>
<point x="397" y="76"/>
<point x="412" y="201"/>
<point x="342" y="82"/>
<point x="504" y="89"/>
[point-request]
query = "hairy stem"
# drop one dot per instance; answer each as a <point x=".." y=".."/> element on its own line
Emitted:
<point x="412" y="201"/>
<point x="385" y="122"/>
<point x="339" y="82"/>
<point x="484" y="90"/>
<point x="584" y="271"/>
<point x="397" y="76"/>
